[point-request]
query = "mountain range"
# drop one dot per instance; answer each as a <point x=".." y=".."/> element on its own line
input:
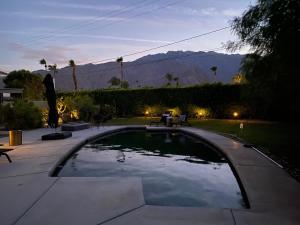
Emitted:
<point x="189" y="67"/>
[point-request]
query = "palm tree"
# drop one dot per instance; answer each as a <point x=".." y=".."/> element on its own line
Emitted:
<point x="137" y="83"/>
<point x="176" y="79"/>
<point x="53" y="68"/>
<point x="43" y="62"/>
<point x="120" y="60"/>
<point x="214" y="70"/>
<point x="169" y="77"/>
<point x="73" y="65"/>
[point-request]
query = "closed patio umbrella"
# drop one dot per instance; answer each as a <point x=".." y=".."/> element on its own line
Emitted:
<point x="51" y="98"/>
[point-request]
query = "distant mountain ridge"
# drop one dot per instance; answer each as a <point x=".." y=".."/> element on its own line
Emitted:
<point x="190" y="67"/>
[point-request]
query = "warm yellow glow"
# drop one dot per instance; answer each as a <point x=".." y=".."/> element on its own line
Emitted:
<point x="61" y="107"/>
<point x="235" y="114"/>
<point x="45" y="117"/>
<point x="147" y="113"/>
<point x="175" y="111"/>
<point x="201" y="112"/>
<point x="60" y="120"/>
<point x="74" y="114"/>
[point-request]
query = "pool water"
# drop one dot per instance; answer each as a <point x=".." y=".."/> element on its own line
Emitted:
<point x="176" y="169"/>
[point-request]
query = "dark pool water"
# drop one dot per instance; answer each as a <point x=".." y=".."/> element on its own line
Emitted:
<point x="176" y="169"/>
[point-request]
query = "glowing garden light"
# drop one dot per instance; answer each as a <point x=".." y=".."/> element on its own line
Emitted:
<point x="235" y="114"/>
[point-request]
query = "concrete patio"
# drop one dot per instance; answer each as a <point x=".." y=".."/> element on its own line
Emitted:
<point x="30" y="196"/>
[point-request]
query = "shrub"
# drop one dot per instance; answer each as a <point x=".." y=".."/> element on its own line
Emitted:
<point x="215" y="97"/>
<point x="83" y="104"/>
<point x="1" y="114"/>
<point x="198" y="111"/>
<point x="106" y="111"/>
<point x="22" y="115"/>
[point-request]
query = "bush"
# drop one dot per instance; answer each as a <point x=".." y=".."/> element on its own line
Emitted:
<point x="22" y="115"/>
<point x="1" y="114"/>
<point x="199" y="112"/>
<point x="214" y="97"/>
<point x="83" y="104"/>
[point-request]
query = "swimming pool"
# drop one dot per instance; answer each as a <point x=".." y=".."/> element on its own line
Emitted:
<point x="176" y="169"/>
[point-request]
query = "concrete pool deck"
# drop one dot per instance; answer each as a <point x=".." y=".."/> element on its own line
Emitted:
<point x="30" y="196"/>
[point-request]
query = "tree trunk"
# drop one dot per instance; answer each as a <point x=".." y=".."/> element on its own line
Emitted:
<point x="74" y="78"/>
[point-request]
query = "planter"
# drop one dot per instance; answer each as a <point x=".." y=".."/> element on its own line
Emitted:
<point x="15" y="137"/>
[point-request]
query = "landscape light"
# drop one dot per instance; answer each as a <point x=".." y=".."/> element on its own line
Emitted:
<point x="74" y="114"/>
<point x="235" y="114"/>
<point x="147" y="112"/>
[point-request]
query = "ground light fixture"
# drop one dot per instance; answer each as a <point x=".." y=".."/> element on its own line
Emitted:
<point x="235" y="114"/>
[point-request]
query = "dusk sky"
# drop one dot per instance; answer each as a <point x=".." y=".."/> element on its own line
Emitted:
<point x="90" y="30"/>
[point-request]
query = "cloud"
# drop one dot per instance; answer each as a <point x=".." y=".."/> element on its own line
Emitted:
<point x="57" y="4"/>
<point x="232" y="12"/>
<point x="62" y="17"/>
<point x="208" y="11"/>
<point x="53" y="54"/>
<point x="115" y="38"/>
<point x="86" y="36"/>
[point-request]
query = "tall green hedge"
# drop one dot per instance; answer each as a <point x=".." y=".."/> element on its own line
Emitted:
<point x="217" y="97"/>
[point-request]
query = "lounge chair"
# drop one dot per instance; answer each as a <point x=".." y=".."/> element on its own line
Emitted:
<point x="3" y="152"/>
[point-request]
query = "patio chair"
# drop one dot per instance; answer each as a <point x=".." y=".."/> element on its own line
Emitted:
<point x="182" y="120"/>
<point x="163" y="119"/>
<point x="3" y="152"/>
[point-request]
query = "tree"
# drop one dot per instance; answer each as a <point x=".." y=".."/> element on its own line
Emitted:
<point x="124" y="84"/>
<point x="120" y="60"/>
<point x="271" y="29"/>
<point x="270" y="26"/>
<point x="169" y="78"/>
<point x="30" y="82"/>
<point x="214" y="70"/>
<point x="53" y="68"/>
<point x="73" y="65"/>
<point x="176" y="79"/>
<point x="43" y="62"/>
<point x="114" y="81"/>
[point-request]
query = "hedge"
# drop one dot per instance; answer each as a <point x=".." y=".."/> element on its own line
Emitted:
<point x="218" y="98"/>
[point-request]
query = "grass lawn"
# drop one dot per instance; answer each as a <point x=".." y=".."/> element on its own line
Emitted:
<point x="278" y="140"/>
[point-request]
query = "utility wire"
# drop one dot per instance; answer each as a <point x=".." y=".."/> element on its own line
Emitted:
<point x="120" y="21"/>
<point x="165" y="45"/>
<point x="143" y="13"/>
<point x="94" y="20"/>
<point x="136" y="64"/>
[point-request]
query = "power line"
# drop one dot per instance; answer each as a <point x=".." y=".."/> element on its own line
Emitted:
<point x="115" y="22"/>
<point x="133" y="64"/>
<point x="145" y="13"/>
<point x="94" y="20"/>
<point x="165" y="45"/>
